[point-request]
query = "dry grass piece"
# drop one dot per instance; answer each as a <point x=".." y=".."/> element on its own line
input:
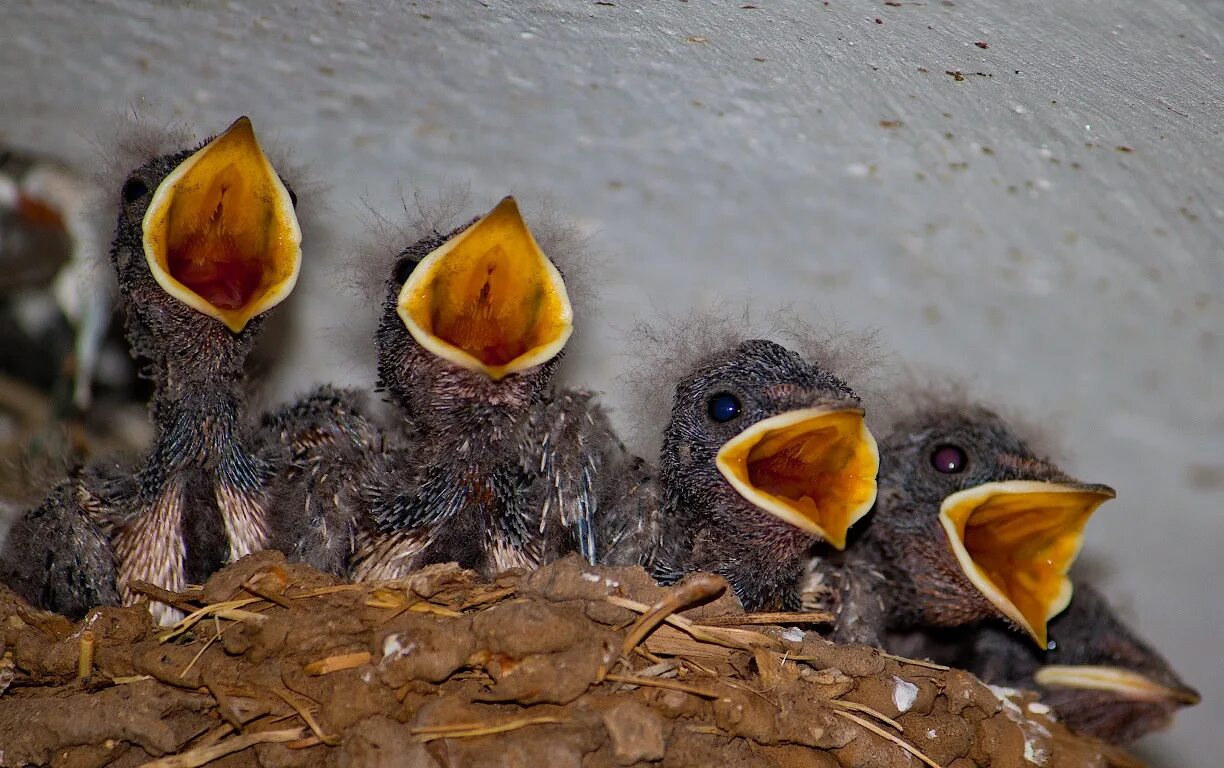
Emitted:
<point x="337" y="663"/>
<point x="85" y="658"/>
<point x="914" y="662"/>
<point x="694" y="590"/>
<point x="727" y="637"/>
<point x="307" y="718"/>
<point x="468" y="730"/>
<point x="655" y="682"/>
<point x="894" y="739"/>
<point x="194" y="758"/>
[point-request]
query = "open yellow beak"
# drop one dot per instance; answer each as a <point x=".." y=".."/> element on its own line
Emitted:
<point x="1125" y="683"/>
<point x="814" y="468"/>
<point x="1016" y="540"/>
<point x="220" y="234"/>
<point x="488" y="299"/>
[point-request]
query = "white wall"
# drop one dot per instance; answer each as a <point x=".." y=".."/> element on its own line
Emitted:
<point x="721" y="153"/>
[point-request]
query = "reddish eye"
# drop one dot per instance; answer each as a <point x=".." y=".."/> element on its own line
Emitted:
<point x="949" y="459"/>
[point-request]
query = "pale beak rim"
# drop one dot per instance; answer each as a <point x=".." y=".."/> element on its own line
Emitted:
<point x="235" y="320"/>
<point x="771" y="504"/>
<point x="954" y="514"/>
<point x="416" y="285"/>
<point x="1128" y="684"/>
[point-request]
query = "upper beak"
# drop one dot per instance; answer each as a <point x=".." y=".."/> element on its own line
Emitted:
<point x="1125" y="683"/>
<point x="1016" y="540"/>
<point x="220" y="234"/>
<point x="815" y="468"/>
<point x="489" y="299"/>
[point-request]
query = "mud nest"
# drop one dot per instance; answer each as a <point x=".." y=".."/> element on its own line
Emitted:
<point x="276" y="664"/>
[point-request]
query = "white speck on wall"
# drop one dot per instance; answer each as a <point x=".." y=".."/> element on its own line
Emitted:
<point x="905" y="694"/>
<point x="857" y="170"/>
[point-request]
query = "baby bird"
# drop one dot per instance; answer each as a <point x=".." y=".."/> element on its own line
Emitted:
<point x="970" y="525"/>
<point x="1097" y="675"/>
<point x="207" y="243"/>
<point x="496" y="469"/>
<point x="765" y="454"/>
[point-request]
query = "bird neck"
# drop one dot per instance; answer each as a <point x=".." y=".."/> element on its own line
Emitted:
<point x="197" y="405"/>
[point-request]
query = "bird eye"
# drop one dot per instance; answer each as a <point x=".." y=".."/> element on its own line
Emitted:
<point x="723" y="407"/>
<point x="133" y="190"/>
<point x="404" y="266"/>
<point x="949" y="459"/>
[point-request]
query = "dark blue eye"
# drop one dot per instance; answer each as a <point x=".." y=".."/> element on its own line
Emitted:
<point x="723" y="407"/>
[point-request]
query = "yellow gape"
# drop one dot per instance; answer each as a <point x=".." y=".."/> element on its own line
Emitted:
<point x="488" y="299"/>
<point x="814" y="468"/>
<point x="220" y="234"/>
<point x="1016" y="540"/>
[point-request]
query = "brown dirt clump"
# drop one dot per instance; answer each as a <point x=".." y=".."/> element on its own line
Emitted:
<point x="278" y="665"/>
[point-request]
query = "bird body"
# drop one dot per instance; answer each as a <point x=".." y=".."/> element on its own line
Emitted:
<point x="193" y="225"/>
<point x="765" y="454"/>
<point x="970" y="526"/>
<point x="490" y="466"/>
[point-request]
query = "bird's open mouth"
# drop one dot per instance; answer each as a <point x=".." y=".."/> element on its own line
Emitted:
<point x="1016" y="540"/>
<point x="813" y="468"/>
<point x="220" y="234"/>
<point x="1123" y="682"/>
<point x="489" y="299"/>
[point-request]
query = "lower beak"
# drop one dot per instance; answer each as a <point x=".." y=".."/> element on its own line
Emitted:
<point x="814" y="468"/>
<point x="488" y="299"/>
<point x="1127" y="684"/>
<point x="220" y="233"/>
<point x="1016" y="540"/>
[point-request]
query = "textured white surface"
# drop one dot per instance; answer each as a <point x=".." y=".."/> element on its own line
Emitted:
<point x="721" y="153"/>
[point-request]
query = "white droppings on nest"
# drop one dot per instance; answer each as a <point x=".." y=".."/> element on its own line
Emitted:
<point x="1034" y="754"/>
<point x="931" y="733"/>
<point x="1003" y="693"/>
<point x="1038" y="708"/>
<point x="595" y="578"/>
<point x="793" y="634"/>
<point x="1035" y="734"/>
<point x="391" y="645"/>
<point x="393" y="648"/>
<point x="905" y="694"/>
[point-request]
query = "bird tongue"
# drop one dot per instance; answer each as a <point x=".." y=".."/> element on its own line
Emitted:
<point x="1016" y="540"/>
<point x="813" y="468"/>
<point x="221" y="234"/>
<point x="489" y="299"/>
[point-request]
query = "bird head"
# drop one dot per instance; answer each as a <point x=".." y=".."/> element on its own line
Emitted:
<point x="474" y="322"/>
<point x="978" y="521"/>
<point x="207" y="242"/>
<point x="760" y="433"/>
